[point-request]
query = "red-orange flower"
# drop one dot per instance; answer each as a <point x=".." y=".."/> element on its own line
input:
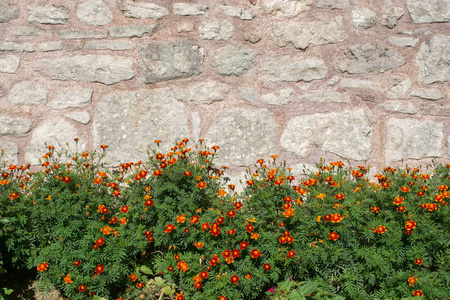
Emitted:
<point x="231" y="213"/>
<point x="133" y="277"/>
<point x="99" y="269"/>
<point x="339" y="196"/>
<point x="243" y="245"/>
<point x="410" y="225"/>
<point x="249" y="228"/>
<point x="182" y="266"/>
<point x="76" y="263"/>
<point x="411" y="280"/>
<point x="418" y="261"/>
<point x="42" y="267"/>
<point x="418" y="293"/>
<point x="140" y="285"/>
<point x="375" y="209"/>
<point x="238" y="205"/>
<point x="213" y="261"/>
<point x="398" y="200"/>
<point x="291" y="254"/>
<point x="169" y="228"/>
<point x="234" y="279"/>
<point x="201" y="185"/>
<point x="401" y="208"/>
<point x="195" y="219"/>
<point x="336" y="218"/>
<point x="82" y="288"/>
<point x="67" y="279"/>
<point x="255" y="253"/>
<point x="405" y="189"/>
<point x="267" y="267"/>
<point x="222" y="298"/>
<point x="180" y="296"/>
<point x="124" y="209"/>
<point x="333" y="236"/>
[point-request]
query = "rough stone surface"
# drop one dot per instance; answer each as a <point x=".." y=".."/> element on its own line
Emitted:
<point x="82" y="117"/>
<point x="324" y="97"/>
<point x="252" y="37"/>
<point x="346" y="134"/>
<point x="24" y="31"/>
<point x="279" y="97"/>
<point x="186" y="9"/>
<point x="363" y="18"/>
<point x="369" y="59"/>
<point x="50" y="46"/>
<point x="248" y="93"/>
<point x="14" y="126"/>
<point x="106" y="45"/>
<point x="160" y="61"/>
<point x="412" y="139"/>
<point x="8" y="12"/>
<point x="91" y="68"/>
<point x="11" y="46"/>
<point x="11" y="153"/>
<point x="134" y="30"/>
<point x="27" y="92"/>
<point x="286" y="8"/>
<point x="357" y="83"/>
<point x="291" y="68"/>
<point x="130" y="121"/>
<point x="72" y="98"/>
<point x="233" y="60"/>
<point x="333" y="4"/>
<point x="94" y="12"/>
<point x="141" y="10"/>
<point x="9" y="63"/>
<point x="433" y="59"/>
<point x="196" y="122"/>
<point x="436" y="109"/>
<point x="56" y="133"/>
<point x="48" y="14"/>
<point x="242" y="13"/>
<point x="80" y="34"/>
<point x="404" y="107"/>
<point x="399" y="86"/>
<point x="304" y="35"/>
<point x="429" y="11"/>
<point x="391" y="14"/>
<point x="215" y="30"/>
<point x="243" y="135"/>
<point x="208" y="92"/>
<point x="185" y="27"/>
<point x="403" y="41"/>
<point x="428" y="94"/>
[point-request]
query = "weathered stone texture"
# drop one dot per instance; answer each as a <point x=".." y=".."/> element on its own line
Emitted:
<point x="428" y="94"/>
<point x="82" y="117"/>
<point x="27" y="93"/>
<point x="94" y="12"/>
<point x="50" y="46"/>
<point x="369" y="59"/>
<point x="24" y="31"/>
<point x="403" y="41"/>
<point x="14" y="126"/>
<point x="208" y="92"/>
<point x="91" y="68"/>
<point x="433" y="60"/>
<point x="215" y="30"/>
<point x="8" y="12"/>
<point x="291" y="68"/>
<point x="161" y="61"/>
<point x="304" y="35"/>
<point x="186" y="9"/>
<point x="412" y="139"/>
<point x="9" y="63"/>
<point x="48" y="14"/>
<point x="324" y="97"/>
<point x="279" y="97"/>
<point x="105" y="45"/>
<point x="429" y="11"/>
<point x="142" y="10"/>
<point x="248" y="93"/>
<point x="363" y="18"/>
<point x="242" y="13"/>
<point x="11" y="46"/>
<point x="134" y="30"/>
<point x="81" y="34"/>
<point x="436" y="109"/>
<point x="286" y="8"/>
<point x="56" y="133"/>
<point x="399" y="86"/>
<point x="243" y="135"/>
<point x="347" y="134"/>
<point x="334" y="4"/>
<point x="391" y="14"/>
<point x="11" y="152"/>
<point x="130" y="121"/>
<point x="72" y="98"/>
<point x="233" y="60"/>
<point x="404" y="107"/>
<point x="357" y="84"/>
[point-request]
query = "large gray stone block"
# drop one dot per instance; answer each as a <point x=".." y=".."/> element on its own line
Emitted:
<point x="292" y="68"/>
<point x="14" y="126"/>
<point x="215" y="30"/>
<point x="27" y="93"/>
<point x="72" y="98"/>
<point x="286" y="8"/>
<point x="429" y="11"/>
<point x="186" y="9"/>
<point x="8" y="12"/>
<point x="391" y="14"/>
<point x="233" y="60"/>
<point x="130" y="121"/>
<point x="94" y="12"/>
<point x="9" y="63"/>
<point x="91" y="68"/>
<point x="134" y="30"/>
<point x="161" y="61"/>
<point x="346" y="134"/>
<point x="208" y="92"/>
<point x="142" y="10"/>
<point x="10" y="156"/>
<point x="239" y="12"/>
<point x="433" y="59"/>
<point x="48" y="14"/>
<point x="363" y="17"/>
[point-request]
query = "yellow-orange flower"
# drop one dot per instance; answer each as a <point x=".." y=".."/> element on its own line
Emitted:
<point x="183" y="266"/>
<point x="106" y="230"/>
<point x="181" y="219"/>
<point x="254" y="235"/>
<point x="67" y="279"/>
<point x="201" y="185"/>
<point x="42" y="267"/>
<point x="411" y="281"/>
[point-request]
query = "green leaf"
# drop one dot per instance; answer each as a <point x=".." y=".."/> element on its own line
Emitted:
<point x="146" y="270"/>
<point x="296" y="296"/>
<point x="286" y="285"/>
<point x="308" y="288"/>
<point x="168" y="291"/>
<point x="7" y="291"/>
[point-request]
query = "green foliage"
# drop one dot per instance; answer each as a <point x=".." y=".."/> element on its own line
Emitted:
<point x="172" y="227"/>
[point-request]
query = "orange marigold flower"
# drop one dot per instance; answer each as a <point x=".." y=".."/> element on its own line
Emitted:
<point x="140" y="285"/>
<point x="170" y="269"/>
<point x="234" y="279"/>
<point x="183" y="266"/>
<point x="123" y="221"/>
<point x="156" y="173"/>
<point x="213" y="261"/>
<point x="336" y="218"/>
<point x="149" y="202"/>
<point x="381" y="229"/>
<point x="333" y="236"/>
<point x="215" y="230"/>
<point x="177" y="257"/>
<point x="223" y="297"/>
<point x="195" y="219"/>
<point x="418" y="261"/>
<point x="420" y="194"/>
<point x="42" y="267"/>
<point x="255" y="253"/>
<point x="133" y="277"/>
<point x="187" y="173"/>
<point x="180" y="296"/>
<point x="254" y="235"/>
<point x="405" y="189"/>
<point x="442" y="188"/>
<point x="339" y="196"/>
<point x="124" y="209"/>
<point x="411" y="281"/>
<point x="243" y="245"/>
<point x="82" y="288"/>
<point x="169" y="228"/>
<point x="106" y="230"/>
<point x="398" y="200"/>
<point x="201" y="185"/>
<point x="221" y="193"/>
<point x="267" y="267"/>
<point x="76" y="263"/>
<point x="181" y="219"/>
<point x="249" y="228"/>
<point x="375" y="209"/>
<point x="410" y="225"/>
<point x="231" y="213"/>
<point x="288" y="212"/>
<point x="238" y="205"/>
<point x="199" y="245"/>
<point x="401" y="208"/>
<point x="291" y="254"/>
<point x="99" y="269"/>
<point x="418" y="293"/>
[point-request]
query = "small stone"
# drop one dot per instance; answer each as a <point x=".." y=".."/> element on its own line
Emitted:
<point x="363" y="18"/>
<point x="94" y="12"/>
<point x="24" y="31"/>
<point x="291" y="68"/>
<point x="8" y="12"/>
<point x="243" y="14"/>
<point x="106" y="45"/>
<point x="82" y="117"/>
<point x="286" y="8"/>
<point x="185" y="9"/>
<point x="404" y="107"/>
<point x="50" y="46"/>
<point x="280" y="97"/>
<point x="72" y="98"/>
<point x="248" y="93"/>
<point x="324" y="97"/>
<point x="252" y="37"/>
<point x="48" y="14"/>
<point x="428" y="94"/>
<point x="399" y="86"/>
<point x="140" y="10"/>
<point x="14" y="126"/>
<point x="435" y="109"/>
<point x="10" y="155"/>
<point x="429" y="11"/>
<point x="216" y="30"/>
<point x="402" y="41"/>
<point x="208" y="92"/>
<point x="333" y="4"/>
<point x="134" y="30"/>
<point x="391" y="14"/>
<point x="433" y="59"/>
<point x="233" y="60"/>
<point x="357" y="84"/>
<point x="11" y="46"/>
<point x="9" y="63"/>
<point x="27" y="93"/>
<point x="185" y="27"/>
<point x="79" y="34"/>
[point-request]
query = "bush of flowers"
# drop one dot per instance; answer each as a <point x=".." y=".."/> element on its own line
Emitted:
<point x="174" y="223"/>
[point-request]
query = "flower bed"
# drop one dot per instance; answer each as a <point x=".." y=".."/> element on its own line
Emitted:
<point x="96" y="232"/>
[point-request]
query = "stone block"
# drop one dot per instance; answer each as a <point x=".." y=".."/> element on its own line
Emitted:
<point x="72" y="98"/>
<point x="129" y="31"/>
<point x="403" y="41"/>
<point x="404" y="107"/>
<point x="248" y="93"/>
<point x="186" y="9"/>
<point x="363" y="18"/>
<point x="27" y="93"/>
<point x="50" y="46"/>
<point x="286" y="8"/>
<point x="8" y="12"/>
<point x="238" y="12"/>
<point x="429" y="11"/>
<point x="14" y="126"/>
<point x="108" y="45"/>
<point x="357" y="84"/>
<point x="233" y="60"/>
<point x="24" y="31"/>
<point x="433" y="59"/>
<point x="391" y="14"/>
<point x="82" y="117"/>
<point x="9" y="63"/>
<point x="141" y="10"/>
<point x="94" y="12"/>
<point x="292" y="68"/>
<point x="48" y="14"/>
<point x="399" y="86"/>
<point x="324" y="97"/>
<point x="80" y="34"/>
<point x="428" y="94"/>
<point x="333" y="4"/>
<point x="11" y="153"/>
<point x="208" y="92"/>
<point x="12" y="46"/>
<point x="215" y="30"/>
<point x="279" y="97"/>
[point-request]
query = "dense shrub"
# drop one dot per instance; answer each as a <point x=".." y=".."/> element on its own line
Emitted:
<point x="94" y="231"/>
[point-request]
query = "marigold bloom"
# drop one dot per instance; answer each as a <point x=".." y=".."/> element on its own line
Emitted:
<point x="170" y="268"/>
<point x="401" y="208"/>
<point x="418" y="293"/>
<point x="288" y="212"/>
<point x="124" y="209"/>
<point x="381" y="229"/>
<point x="333" y="236"/>
<point x="156" y="173"/>
<point x="98" y="180"/>
<point x="106" y="230"/>
<point x="42" y="267"/>
<point x="198" y="245"/>
<point x="267" y="267"/>
<point x="231" y="213"/>
<point x="99" y="269"/>
<point x="198" y="285"/>
<point x="291" y="254"/>
<point x="410" y="225"/>
<point x="140" y="285"/>
<point x="375" y="209"/>
<point x="213" y="261"/>
<point x="82" y="288"/>
<point x="442" y="188"/>
<point x="336" y="218"/>
<point x="183" y="266"/>
<point x="398" y="200"/>
<point x="411" y="281"/>
<point x="215" y="230"/>
<point x="180" y="296"/>
<point x="169" y="228"/>
<point x="123" y="221"/>
<point x="243" y="245"/>
<point x="249" y="228"/>
<point x="181" y="219"/>
<point x="405" y="189"/>
<point x="418" y="261"/>
<point x="255" y="253"/>
<point x="133" y="277"/>
<point x="149" y="202"/>
<point x="76" y="263"/>
<point x="177" y="257"/>
<point x="201" y="185"/>
<point x="234" y="279"/>
<point x="339" y="196"/>
<point x="327" y="217"/>
<point x="223" y="297"/>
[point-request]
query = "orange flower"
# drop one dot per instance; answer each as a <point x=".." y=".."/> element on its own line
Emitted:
<point x="42" y="267"/>
<point x="180" y="296"/>
<point x="82" y="288"/>
<point x="169" y="228"/>
<point x="288" y="212"/>
<point x="123" y="221"/>
<point x="418" y="293"/>
<point x="98" y="180"/>
<point x="183" y="266"/>
<point x="336" y="218"/>
<point x="133" y="277"/>
<point x="234" y="279"/>
<point x="99" y="269"/>
<point x="405" y="189"/>
<point x="333" y="236"/>
<point x="238" y="205"/>
<point x="181" y="219"/>
<point x="267" y="267"/>
<point x="67" y="279"/>
<point x="410" y="225"/>
<point x="157" y="173"/>
<point x="201" y="185"/>
<point x="106" y="230"/>
<point x="255" y="253"/>
<point x="124" y="209"/>
<point x="221" y="193"/>
<point x="140" y="285"/>
<point x="381" y="229"/>
<point x="411" y="281"/>
<point x="195" y="219"/>
<point x="401" y="208"/>
<point x="375" y="209"/>
<point x="198" y="245"/>
<point x="291" y="254"/>
<point x="398" y="200"/>
<point x="339" y="196"/>
<point x="418" y="261"/>
<point x="254" y="235"/>
<point x="243" y="245"/>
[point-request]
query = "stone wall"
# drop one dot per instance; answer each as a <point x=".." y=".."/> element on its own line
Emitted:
<point x="363" y="80"/>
